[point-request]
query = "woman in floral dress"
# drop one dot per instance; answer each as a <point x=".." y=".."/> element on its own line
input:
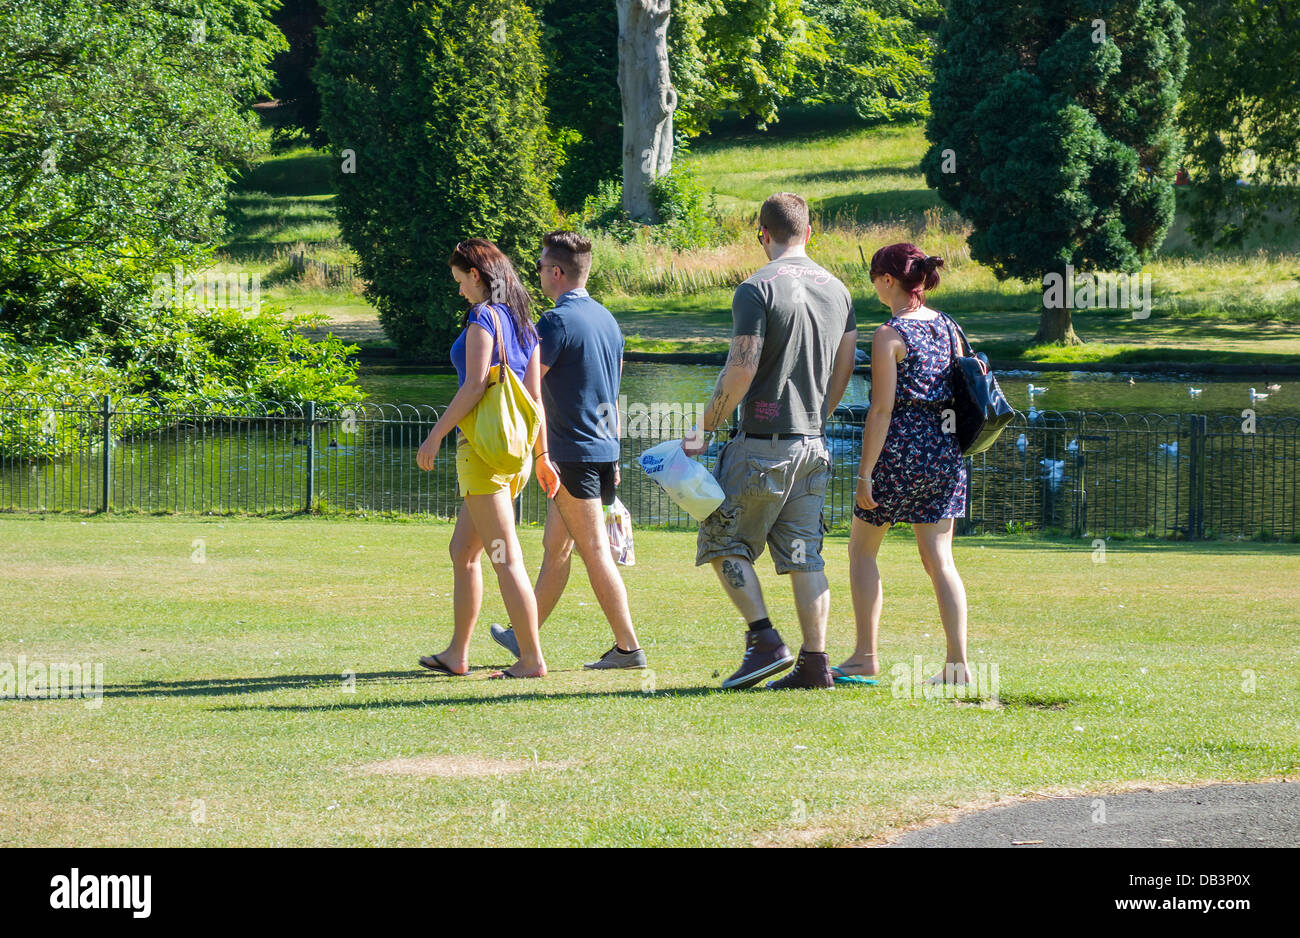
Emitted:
<point x="911" y="469"/>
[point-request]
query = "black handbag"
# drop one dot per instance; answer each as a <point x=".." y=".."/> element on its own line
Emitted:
<point x="983" y="411"/>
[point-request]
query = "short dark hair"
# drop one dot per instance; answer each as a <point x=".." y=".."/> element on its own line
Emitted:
<point x="785" y="216"/>
<point x="572" y="250"/>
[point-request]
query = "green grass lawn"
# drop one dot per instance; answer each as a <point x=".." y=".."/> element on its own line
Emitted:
<point x="866" y="189"/>
<point x="226" y="719"/>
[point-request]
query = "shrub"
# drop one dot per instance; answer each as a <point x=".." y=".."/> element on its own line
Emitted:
<point x="690" y="214"/>
<point x="440" y="103"/>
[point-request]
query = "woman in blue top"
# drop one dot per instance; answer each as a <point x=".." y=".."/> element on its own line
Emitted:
<point x="911" y="468"/>
<point x="497" y="298"/>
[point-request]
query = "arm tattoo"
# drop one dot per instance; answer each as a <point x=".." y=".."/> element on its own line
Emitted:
<point x="734" y="573"/>
<point x="715" y="410"/>
<point x="745" y="351"/>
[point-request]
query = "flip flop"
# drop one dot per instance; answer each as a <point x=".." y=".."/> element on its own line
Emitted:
<point x="504" y="673"/>
<point x="437" y="667"/>
<point x="842" y="678"/>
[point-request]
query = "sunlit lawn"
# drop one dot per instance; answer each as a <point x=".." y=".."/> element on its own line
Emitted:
<point x="229" y="718"/>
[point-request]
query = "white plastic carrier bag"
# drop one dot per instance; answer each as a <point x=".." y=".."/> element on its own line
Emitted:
<point x="618" y="521"/>
<point x="687" y="482"/>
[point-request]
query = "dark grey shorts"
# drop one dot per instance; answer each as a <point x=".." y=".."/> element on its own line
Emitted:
<point x="775" y="491"/>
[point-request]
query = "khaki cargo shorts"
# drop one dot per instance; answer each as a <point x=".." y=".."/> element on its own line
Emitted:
<point x="775" y="491"/>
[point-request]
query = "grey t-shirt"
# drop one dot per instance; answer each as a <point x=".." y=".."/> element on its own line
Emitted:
<point x="801" y="311"/>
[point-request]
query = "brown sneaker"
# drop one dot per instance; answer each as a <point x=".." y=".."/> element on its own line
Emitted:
<point x="765" y="654"/>
<point x="812" y="671"/>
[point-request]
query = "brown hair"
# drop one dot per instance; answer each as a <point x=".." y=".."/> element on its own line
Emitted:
<point x="785" y="216"/>
<point x="500" y="277"/>
<point x="572" y="250"/>
<point x="910" y="266"/>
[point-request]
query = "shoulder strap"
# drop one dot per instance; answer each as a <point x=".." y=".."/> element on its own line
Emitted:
<point x="501" y="345"/>
<point x="952" y="324"/>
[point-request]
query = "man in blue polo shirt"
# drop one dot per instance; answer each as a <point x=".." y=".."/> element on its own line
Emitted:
<point x="582" y="365"/>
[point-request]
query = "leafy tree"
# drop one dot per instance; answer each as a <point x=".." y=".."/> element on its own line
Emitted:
<point x="743" y="55"/>
<point x="121" y="123"/>
<point x="1052" y="132"/>
<point x="435" y="112"/>
<point x="878" y="56"/>
<point x="740" y="55"/>
<point x="1240" y="114"/>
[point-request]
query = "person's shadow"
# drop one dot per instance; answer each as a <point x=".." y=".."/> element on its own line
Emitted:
<point x="349" y="681"/>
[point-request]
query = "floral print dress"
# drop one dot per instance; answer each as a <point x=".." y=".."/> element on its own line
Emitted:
<point x="920" y="476"/>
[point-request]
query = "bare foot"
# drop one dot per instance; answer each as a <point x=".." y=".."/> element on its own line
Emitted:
<point x="456" y="664"/>
<point x="861" y="665"/>
<point x="951" y="674"/>
<point x="518" y="670"/>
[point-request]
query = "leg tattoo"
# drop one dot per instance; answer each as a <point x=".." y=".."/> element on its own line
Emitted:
<point x="734" y="574"/>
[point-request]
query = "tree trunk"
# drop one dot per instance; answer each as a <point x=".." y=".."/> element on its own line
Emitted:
<point x="1055" y="325"/>
<point x="649" y="100"/>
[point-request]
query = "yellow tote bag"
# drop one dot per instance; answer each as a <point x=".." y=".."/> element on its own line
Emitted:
<point x="504" y="424"/>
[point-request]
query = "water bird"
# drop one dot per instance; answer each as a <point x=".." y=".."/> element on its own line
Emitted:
<point x="1195" y="392"/>
<point x="1034" y="414"/>
<point x="1131" y="381"/>
<point x="334" y="444"/>
<point x="1256" y="396"/>
<point x="1072" y="446"/>
<point x="1054" y="469"/>
<point x="1022" y="443"/>
<point x="1169" y="449"/>
<point x="1035" y="390"/>
<point x="1273" y="387"/>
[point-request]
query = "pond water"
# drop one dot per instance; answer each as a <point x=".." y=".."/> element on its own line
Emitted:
<point x="650" y="383"/>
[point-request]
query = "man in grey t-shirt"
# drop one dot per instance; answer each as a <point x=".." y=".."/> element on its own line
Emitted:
<point x="793" y="343"/>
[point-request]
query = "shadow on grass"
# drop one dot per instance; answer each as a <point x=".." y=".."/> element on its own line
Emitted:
<point x="303" y="174"/>
<point x="852" y="175"/>
<point x="214" y="687"/>
<point x="247" y="685"/>
<point x="485" y="699"/>
<point x="904" y="205"/>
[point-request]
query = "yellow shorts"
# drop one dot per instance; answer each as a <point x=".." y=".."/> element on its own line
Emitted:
<point x="475" y="477"/>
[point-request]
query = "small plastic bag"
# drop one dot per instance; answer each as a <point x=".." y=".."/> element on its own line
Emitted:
<point x="619" y="522"/>
<point x="687" y="482"/>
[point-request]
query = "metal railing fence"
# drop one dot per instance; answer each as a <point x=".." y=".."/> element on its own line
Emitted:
<point x="1186" y="475"/>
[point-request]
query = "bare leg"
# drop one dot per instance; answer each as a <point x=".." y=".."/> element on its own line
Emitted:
<point x="586" y="525"/>
<point x="556" y="562"/>
<point x="741" y="585"/>
<point x="868" y="596"/>
<point x="935" y="544"/>
<point x="494" y="519"/>
<point x="467" y="577"/>
<point x="812" y="600"/>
